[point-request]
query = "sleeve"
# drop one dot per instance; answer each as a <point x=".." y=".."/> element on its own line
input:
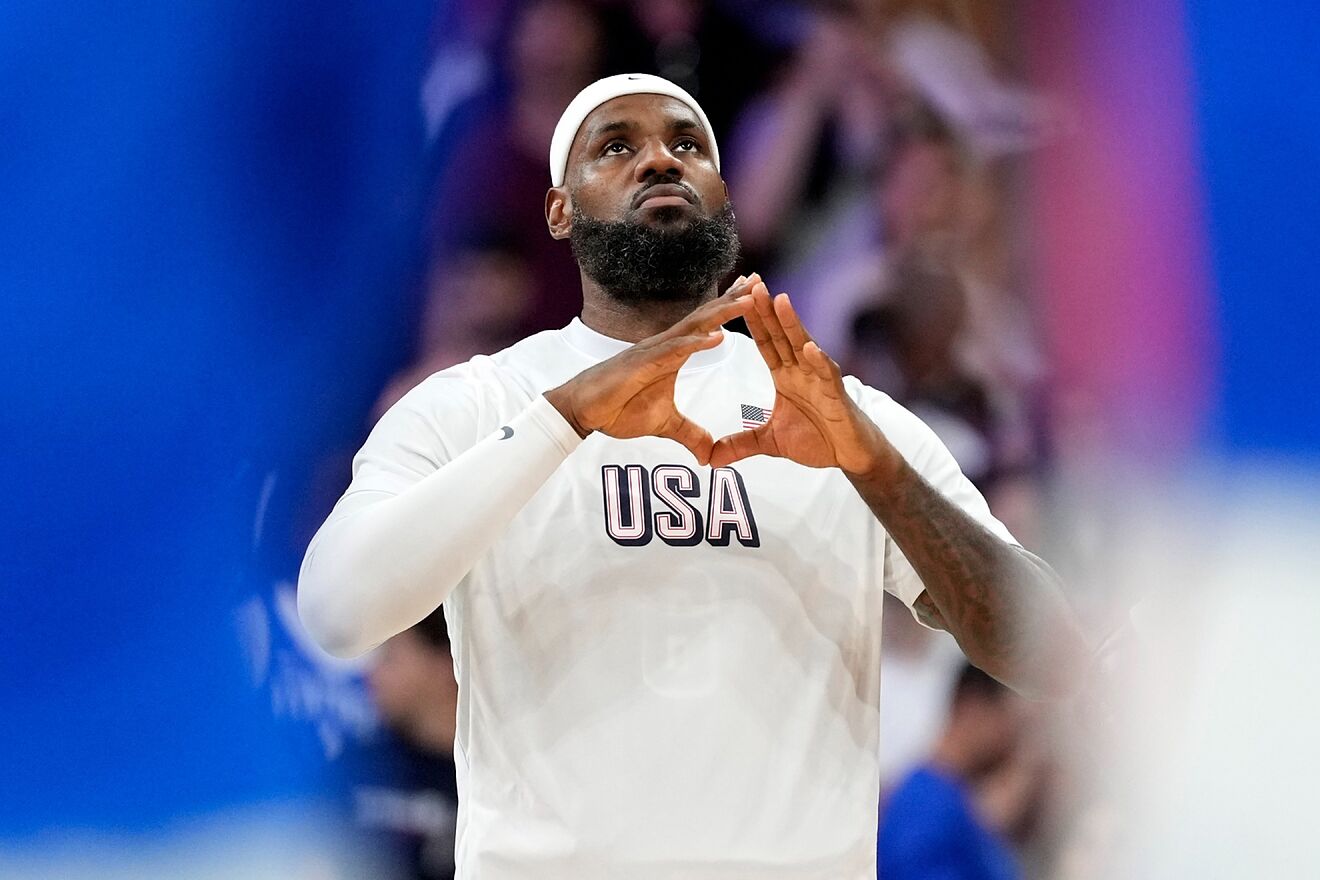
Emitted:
<point x="428" y="498"/>
<point x="930" y="458"/>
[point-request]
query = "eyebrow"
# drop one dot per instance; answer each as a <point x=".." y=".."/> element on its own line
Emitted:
<point x="623" y="126"/>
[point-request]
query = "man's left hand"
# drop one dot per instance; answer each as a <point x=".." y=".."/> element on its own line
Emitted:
<point x="814" y="422"/>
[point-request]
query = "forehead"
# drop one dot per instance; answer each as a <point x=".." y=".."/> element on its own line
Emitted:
<point x="639" y="114"/>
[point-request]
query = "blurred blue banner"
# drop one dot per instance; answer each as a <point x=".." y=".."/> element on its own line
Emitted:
<point x="209" y="231"/>
<point x="1256" y="74"/>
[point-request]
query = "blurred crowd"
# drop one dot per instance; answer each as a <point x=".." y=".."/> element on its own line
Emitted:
<point x="874" y="152"/>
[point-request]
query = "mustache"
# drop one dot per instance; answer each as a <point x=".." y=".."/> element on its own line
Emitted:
<point x="662" y="180"/>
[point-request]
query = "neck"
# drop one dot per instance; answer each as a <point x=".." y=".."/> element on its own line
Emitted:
<point x="634" y="321"/>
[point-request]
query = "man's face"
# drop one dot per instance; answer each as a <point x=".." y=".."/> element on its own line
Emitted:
<point x="643" y="203"/>
<point x="997" y="726"/>
<point x="644" y="159"/>
<point x="921" y="192"/>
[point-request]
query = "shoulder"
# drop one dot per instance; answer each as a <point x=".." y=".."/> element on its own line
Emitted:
<point x="486" y="377"/>
<point x="487" y="390"/>
<point x="909" y="434"/>
<point x="530" y="352"/>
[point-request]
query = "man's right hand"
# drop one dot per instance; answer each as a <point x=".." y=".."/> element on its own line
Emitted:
<point x="632" y="393"/>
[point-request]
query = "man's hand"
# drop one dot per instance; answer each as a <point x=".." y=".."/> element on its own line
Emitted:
<point x="814" y="421"/>
<point x="632" y="393"/>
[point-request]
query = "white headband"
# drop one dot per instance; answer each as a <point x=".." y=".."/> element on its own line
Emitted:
<point x="608" y="89"/>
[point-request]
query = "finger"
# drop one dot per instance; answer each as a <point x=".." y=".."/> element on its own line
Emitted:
<point x="736" y="447"/>
<point x="714" y="315"/>
<point x="765" y="310"/>
<point x="669" y="356"/>
<point x="740" y="283"/>
<point x="673" y="353"/>
<point x="717" y="312"/>
<point x="797" y="335"/>
<point x="821" y="364"/>
<point x="738" y="289"/>
<point x="761" y="336"/>
<point x="687" y="432"/>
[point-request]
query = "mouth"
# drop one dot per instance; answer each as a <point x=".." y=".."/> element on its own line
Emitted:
<point x="664" y="195"/>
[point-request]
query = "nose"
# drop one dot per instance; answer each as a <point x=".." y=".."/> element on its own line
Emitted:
<point x="655" y="158"/>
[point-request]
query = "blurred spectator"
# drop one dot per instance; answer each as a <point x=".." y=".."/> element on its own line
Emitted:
<point x="801" y="153"/>
<point x="906" y="347"/>
<point x="698" y="44"/>
<point x="476" y="303"/>
<point x="463" y="35"/>
<point x="934" y="825"/>
<point x="886" y="134"/>
<point x="496" y="179"/>
<point x="922" y="193"/>
<point x="932" y="48"/>
<point x="404" y="791"/>
<point x="938" y="320"/>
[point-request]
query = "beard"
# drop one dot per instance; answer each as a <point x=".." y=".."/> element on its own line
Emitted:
<point x="633" y="262"/>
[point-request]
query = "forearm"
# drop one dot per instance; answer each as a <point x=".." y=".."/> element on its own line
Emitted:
<point x="1001" y="603"/>
<point x="383" y="562"/>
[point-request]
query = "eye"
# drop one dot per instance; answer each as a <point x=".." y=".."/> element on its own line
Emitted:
<point x="611" y="151"/>
<point x="687" y="143"/>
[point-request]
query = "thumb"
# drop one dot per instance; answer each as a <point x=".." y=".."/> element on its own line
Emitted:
<point x="736" y="447"/>
<point x="687" y="432"/>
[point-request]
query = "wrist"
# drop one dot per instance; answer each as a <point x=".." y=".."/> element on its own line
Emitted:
<point x="562" y="400"/>
<point x="880" y="461"/>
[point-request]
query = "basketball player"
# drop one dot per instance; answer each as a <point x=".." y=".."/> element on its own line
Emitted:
<point x="661" y="547"/>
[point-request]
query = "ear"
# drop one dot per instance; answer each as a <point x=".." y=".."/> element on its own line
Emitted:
<point x="559" y="212"/>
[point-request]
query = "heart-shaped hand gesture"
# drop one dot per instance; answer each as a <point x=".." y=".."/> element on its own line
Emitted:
<point x="814" y="422"/>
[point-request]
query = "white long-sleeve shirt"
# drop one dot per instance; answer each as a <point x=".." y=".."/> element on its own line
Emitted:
<point x="665" y="671"/>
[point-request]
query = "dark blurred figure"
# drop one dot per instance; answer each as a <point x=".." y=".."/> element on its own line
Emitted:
<point x="698" y="44"/>
<point x="947" y="820"/>
<point x="491" y="181"/>
<point x="477" y="302"/>
<point x="405" y="796"/>
<point x="906" y="347"/>
<point x="802" y="152"/>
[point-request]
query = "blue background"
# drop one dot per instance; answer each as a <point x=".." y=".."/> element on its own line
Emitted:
<point x="1257" y="80"/>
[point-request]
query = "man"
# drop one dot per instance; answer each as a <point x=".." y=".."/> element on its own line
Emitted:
<point x="667" y="665"/>
<point x="403" y="786"/>
<point x="930" y="828"/>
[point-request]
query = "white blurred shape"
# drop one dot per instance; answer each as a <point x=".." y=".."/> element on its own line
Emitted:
<point x="264" y="842"/>
<point x="1217" y="758"/>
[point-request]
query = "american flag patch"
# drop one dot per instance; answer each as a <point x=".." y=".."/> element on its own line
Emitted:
<point x="754" y="416"/>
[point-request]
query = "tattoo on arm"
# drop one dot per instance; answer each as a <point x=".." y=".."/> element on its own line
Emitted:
<point x="927" y="613"/>
<point x="1001" y="604"/>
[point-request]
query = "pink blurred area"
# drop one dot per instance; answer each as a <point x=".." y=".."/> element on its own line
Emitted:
<point x="1118" y="223"/>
